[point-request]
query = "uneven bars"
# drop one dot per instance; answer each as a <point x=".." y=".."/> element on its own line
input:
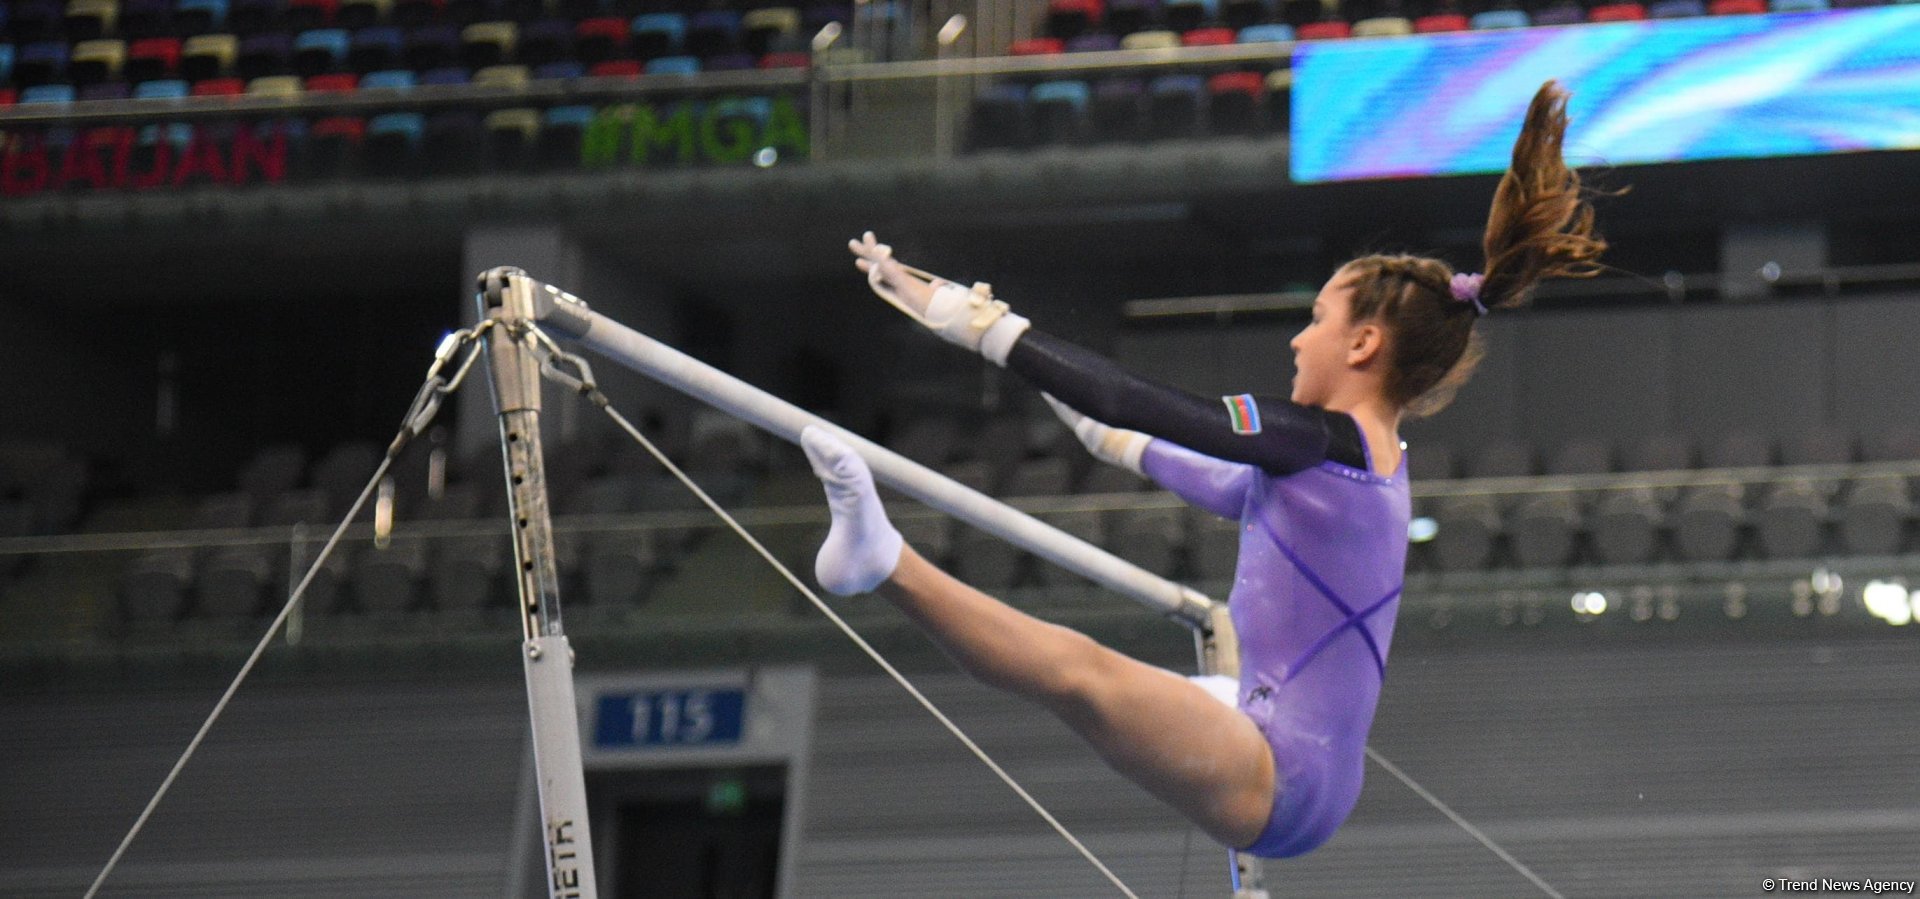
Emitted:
<point x="564" y="313"/>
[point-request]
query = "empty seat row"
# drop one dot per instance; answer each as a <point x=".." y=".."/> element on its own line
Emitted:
<point x="1664" y="452"/>
<point x="1118" y="108"/>
<point x="77" y="20"/>
<point x="1794" y="519"/>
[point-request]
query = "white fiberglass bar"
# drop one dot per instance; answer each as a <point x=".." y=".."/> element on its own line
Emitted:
<point x="568" y="315"/>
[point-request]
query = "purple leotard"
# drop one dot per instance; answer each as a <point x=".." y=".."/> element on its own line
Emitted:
<point x="1323" y="549"/>
<point x="1314" y="595"/>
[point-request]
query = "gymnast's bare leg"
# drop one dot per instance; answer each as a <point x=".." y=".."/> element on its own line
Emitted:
<point x="1199" y="755"/>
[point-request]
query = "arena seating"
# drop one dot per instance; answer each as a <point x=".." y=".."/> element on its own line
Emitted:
<point x="1542" y="527"/>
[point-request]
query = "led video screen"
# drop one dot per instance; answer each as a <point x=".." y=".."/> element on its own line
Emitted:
<point x="1643" y="92"/>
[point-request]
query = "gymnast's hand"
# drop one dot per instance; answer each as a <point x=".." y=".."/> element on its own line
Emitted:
<point x="970" y="317"/>
<point x="1114" y="446"/>
<point x="895" y="283"/>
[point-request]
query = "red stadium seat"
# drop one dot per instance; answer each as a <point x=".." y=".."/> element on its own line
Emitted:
<point x="788" y="60"/>
<point x="1737" y="7"/>
<point x="1617" y="12"/>
<point x="1072" y="18"/>
<point x="219" y="87"/>
<point x="615" y="68"/>
<point x="153" y="57"/>
<point x="1323" y="31"/>
<point x="1440" y="23"/>
<point x="1039" y="46"/>
<point x="1238" y="102"/>
<point x="340" y="83"/>
<point x="598" y="40"/>
<point x="9" y="96"/>
<point x="1207" y="37"/>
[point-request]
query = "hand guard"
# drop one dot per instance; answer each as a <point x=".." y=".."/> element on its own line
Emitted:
<point x="969" y="317"/>
<point x="1114" y="446"/>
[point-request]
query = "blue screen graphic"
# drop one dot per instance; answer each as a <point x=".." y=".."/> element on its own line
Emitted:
<point x="1643" y="92"/>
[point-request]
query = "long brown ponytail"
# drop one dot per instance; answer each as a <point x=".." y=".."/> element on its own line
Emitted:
<point x="1541" y="226"/>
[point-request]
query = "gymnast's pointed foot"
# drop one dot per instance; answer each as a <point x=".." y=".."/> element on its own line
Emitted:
<point x="862" y="546"/>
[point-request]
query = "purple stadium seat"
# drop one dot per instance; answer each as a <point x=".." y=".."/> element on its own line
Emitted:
<point x="264" y="54"/>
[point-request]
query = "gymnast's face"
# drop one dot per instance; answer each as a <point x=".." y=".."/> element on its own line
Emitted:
<point x="1323" y="351"/>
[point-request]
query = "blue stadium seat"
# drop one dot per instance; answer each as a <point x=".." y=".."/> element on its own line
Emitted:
<point x="713" y="32"/>
<point x="659" y="34"/>
<point x="6" y="63"/>
<point x="388" y="79"/>
<point x="200" y="16"/>
<point x="546" y="41"/>
<point x="375" y="48"/>
<point x="320" y="51"/>
<point x="164" y="89"/>
<point x="1500" y="18"/>
<point x="673" y="65"/>
<point x="562" y="129"/>
<point x="40" y="63"/>
<point x="1176" y="106"/>
<point x="432" y="47"/>
<point x="1258" y="34"/>
<point x="1797" y="5"/>
<point x="1567" y="12"/>
<point x="1059" y="110"/>
<point x="1093" y="43"/>
<point x="106" y="90"/>
<point x="559" y="70"/>
<point x="1676" y="9"/>
<point x="393" y="143"/>
<point x="444" y="75"/>
<point x="730" y="62"/>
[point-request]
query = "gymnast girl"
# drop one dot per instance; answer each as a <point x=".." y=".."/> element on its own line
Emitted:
<point x="1271" y="765"/>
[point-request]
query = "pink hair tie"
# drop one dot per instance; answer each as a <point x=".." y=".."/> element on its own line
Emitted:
<point x="1465" y="287"/>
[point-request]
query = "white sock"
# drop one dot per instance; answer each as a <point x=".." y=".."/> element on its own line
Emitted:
<point x="862" y="546"/>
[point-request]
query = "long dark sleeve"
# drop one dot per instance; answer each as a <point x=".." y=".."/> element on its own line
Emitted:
<point x="1273" y="433"/>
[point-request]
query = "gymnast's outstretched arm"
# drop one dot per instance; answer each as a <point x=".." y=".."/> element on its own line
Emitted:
<point x="1272" y="433"/>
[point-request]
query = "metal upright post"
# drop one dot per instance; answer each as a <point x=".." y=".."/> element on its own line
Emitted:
<point x="1219" y="651"/>
<point x="547" y="657"/>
